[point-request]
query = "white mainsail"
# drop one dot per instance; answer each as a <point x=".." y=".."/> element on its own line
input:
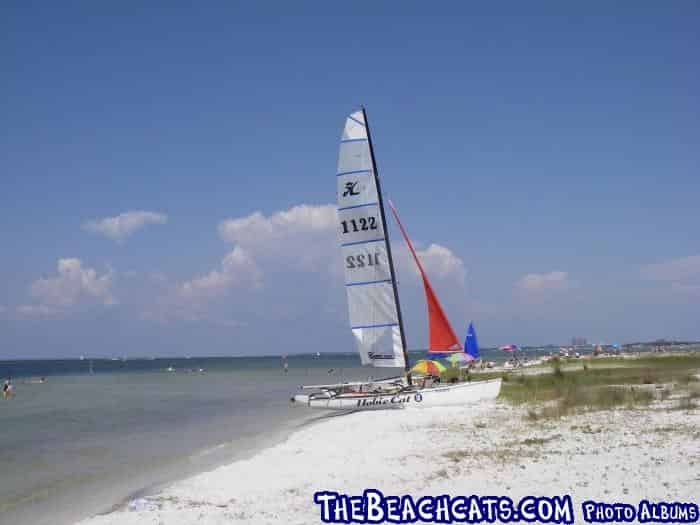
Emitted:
<point x="369" y="278"/>
<point x="373" y="300"/>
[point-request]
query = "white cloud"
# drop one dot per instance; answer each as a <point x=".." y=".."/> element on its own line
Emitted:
<point x="302" y="236"/>
<point x="285" y="247"/>
<point x="237" y="268"/>
<point x="298" y="239"/>
<point x="73" y="284"/>
<point x="256" y="228"/>
<point x="544" y="281"/>
<point x="441" y="262"/>
<point x="305" y="237"/>
<point x="122" y="226"/>
<point x="191" y="300"/>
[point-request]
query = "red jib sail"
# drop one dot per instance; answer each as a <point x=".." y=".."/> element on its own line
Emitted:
<point x="442" y="336"/>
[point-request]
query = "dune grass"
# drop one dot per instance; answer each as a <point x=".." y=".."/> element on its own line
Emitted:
<point x="456" y="375"/>
<point x="637" y="383"/>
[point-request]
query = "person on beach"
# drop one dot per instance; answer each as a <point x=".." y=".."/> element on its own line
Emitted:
<point x="7" y="388"/>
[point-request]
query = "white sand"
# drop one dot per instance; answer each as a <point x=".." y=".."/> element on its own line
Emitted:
<point x="616" y="456"/>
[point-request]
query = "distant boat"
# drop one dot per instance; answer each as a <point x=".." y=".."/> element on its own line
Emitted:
<point x="318" y="354"/>
<point x="471" y="349"/>
<point x="471" y="345"/>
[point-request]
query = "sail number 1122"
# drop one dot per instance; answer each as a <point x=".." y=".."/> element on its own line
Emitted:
<point x="361" y="260"/>
<point x="361" y="224"/>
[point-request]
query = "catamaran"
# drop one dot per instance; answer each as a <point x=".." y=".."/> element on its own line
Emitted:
<point x="373" y="297"/>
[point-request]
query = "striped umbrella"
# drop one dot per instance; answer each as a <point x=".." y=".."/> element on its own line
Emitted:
<point x="428" y="367"/>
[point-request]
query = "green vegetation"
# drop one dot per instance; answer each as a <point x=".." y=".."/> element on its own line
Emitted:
<point x="458" y="455"/>
<point x="453" y="375"/>
<point x="502" y="455"/>
<point x="624" y="383"/>
<point x="687" y="361"/>
<point x="688" y="430"/>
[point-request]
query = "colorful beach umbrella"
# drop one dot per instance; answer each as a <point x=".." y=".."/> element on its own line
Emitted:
<point x="428" y="367"/>
<point x="510" y="348"/>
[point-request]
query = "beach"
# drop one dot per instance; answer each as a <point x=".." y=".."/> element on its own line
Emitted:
<point x="494" y="448"/>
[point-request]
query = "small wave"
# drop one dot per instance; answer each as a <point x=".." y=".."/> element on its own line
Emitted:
<point x="209" y="450"/>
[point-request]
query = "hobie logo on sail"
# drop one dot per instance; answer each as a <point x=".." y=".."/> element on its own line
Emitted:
<point x="351" y="189"/>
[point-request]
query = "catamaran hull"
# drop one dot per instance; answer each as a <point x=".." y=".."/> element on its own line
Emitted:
<point x="448" y="395"/>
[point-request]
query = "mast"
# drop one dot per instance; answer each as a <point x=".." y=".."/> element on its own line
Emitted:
<point x="380" y="199"/>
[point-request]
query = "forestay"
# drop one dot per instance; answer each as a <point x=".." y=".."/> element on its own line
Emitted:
<point x="369" y="281"/>
<point x="442" y="336"/>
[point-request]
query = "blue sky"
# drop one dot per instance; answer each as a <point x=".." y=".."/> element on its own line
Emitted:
<point x="548" y="152"/>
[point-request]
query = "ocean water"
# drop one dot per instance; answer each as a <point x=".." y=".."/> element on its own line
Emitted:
<point x="82" y="443"/>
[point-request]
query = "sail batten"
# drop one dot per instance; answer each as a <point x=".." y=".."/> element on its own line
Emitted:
<point x="370" y="284"/>
<point x="442" y="336"/>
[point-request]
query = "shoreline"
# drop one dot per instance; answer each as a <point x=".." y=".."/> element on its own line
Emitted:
<point x="63" y="504"/>
<point x="615" y="455"/>
<point x="155" y="489"/>
<point x="78" y="445"/>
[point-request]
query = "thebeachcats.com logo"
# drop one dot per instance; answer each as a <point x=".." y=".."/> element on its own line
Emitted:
<point x="374" y="507"/>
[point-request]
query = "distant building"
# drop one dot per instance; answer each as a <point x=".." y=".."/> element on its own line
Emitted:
<point x="578" y="341"/>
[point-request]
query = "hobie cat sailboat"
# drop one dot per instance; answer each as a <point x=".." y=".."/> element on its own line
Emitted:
<point x="373" y="299"/>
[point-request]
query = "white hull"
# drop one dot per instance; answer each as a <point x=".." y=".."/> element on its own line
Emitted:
<point x="447" y="395"/>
